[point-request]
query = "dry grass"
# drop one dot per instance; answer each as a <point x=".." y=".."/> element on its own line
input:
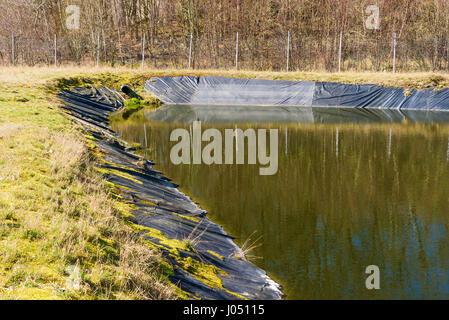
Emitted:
<point x="57" y="216"/>
<point x="41" y="75"/>
<point x="62" y="234"/>
<point x="248" y="247"/>
<point x="9" y="130"/>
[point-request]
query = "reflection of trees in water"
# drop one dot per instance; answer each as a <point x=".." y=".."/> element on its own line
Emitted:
<point x="323" y="218"/>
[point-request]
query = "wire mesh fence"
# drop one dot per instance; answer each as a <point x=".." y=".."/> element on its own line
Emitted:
<point x="354" y="52"/>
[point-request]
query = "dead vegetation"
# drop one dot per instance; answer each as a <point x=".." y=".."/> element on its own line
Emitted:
<point x="62" y="235"/>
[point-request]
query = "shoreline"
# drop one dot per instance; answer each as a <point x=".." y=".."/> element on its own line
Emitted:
<point x="206" y="262"/>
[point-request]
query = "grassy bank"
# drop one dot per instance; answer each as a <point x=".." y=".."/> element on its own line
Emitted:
<point x="136" y="77"/>
<point x="62" y="234"/>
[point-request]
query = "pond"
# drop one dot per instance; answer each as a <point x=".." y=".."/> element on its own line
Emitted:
<point x="354" y="188"/>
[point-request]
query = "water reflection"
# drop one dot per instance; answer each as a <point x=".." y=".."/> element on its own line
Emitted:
<point x="344" y="198"/>
<point x="276" y="114"/>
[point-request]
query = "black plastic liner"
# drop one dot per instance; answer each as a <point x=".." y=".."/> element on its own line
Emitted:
<point x="209" y="90"/>
<point x="159" y="205"/>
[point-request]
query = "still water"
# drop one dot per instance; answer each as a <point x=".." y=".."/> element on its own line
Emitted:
<point x="354" y="188"/>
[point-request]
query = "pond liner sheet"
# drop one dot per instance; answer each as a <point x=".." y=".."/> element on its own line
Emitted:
<point x="211" y="90"/>
<point x="159" y="205"/>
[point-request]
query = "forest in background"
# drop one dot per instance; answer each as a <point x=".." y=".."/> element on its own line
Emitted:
<point x="422" y="29"/>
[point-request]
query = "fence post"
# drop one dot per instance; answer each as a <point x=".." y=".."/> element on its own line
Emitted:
<point x="143" y="49"/>
<point x="105" y="54"/>
<point x="339" y="52"/>
<point x="288" y="50"/>
<point x="190" y="51"/>
<point x="394" y="53"/>
<point x="56" y="53"/>
<point x="98" y="50"/>
<point x="447" y="52"/>
<point x="13" y="59"/>
<point x="237" y="52"/>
